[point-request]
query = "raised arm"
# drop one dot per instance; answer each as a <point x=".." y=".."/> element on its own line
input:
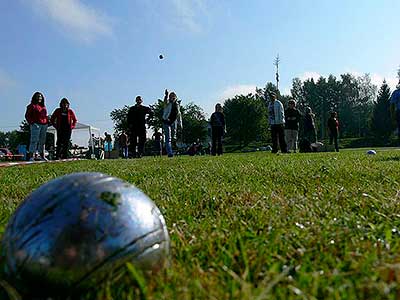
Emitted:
<point x="166" y="97"/>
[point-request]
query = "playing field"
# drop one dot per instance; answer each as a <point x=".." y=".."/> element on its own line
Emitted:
<point x="256" y="225"/>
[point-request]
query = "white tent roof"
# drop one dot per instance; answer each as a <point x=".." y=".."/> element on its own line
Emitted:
<point x="77" y="127"/>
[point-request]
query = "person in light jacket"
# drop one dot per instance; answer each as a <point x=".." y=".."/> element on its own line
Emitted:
<point x="276" y="119"/>
<point x="171" y="119"/>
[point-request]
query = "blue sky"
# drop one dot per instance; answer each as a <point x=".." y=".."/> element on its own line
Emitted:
<point x="101" y="54"/>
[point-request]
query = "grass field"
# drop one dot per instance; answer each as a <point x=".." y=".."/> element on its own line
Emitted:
<point x="257" y="225"/>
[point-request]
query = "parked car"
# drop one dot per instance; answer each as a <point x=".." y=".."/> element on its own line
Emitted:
<point x="6" y="154"/>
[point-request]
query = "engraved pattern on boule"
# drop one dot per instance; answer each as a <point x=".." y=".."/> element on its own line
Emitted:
<point x="74" y="231"/>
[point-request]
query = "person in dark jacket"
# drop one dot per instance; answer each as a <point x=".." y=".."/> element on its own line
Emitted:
<point x="292" y="118"/>
<point x="395" y="108"/>
<point x="123" y="144"/>
<point x="217" y="122"/>
<point x="64" y="120"/>
<point x="310" y="133"/>
<point x="333" y="130"/>
<point x="36" y="116"/>
<point x="137" y="126"/>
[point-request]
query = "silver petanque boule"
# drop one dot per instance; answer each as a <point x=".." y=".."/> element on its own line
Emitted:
<point x="75" y="231"/>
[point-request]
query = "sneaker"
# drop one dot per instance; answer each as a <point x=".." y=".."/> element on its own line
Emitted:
<point x="43" y="158"/>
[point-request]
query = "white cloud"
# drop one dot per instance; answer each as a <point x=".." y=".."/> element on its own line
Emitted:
<point x="187" y="13"/>
<point x="376" y="78"/>
<point x="75" y="17"/>
<point x="241" y="89"/>
<point x="5" y="80"/>
<point x="309" y="75"/>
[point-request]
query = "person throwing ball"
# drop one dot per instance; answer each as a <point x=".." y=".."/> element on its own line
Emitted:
<point x="171" y="119"/>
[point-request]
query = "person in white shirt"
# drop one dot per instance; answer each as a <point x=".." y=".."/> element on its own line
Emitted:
<point x="276" y="117"/>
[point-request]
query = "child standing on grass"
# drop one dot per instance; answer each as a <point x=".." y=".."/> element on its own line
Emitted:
<point x="107" y="144"/>
<point x="123" y="144"/>
<point x="157" y="143"/>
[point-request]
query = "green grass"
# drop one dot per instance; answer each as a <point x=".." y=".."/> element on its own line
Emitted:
<point x="256" y="225"/>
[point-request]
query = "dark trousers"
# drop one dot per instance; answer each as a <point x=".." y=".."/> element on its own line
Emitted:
<point x="398" y="122"/>
<point x="137" y="139"/>
<point x="216" y="135"/>
<point x="278" y="134"/>
<point x="63" y="139"/>
<point x="333" y="138"/>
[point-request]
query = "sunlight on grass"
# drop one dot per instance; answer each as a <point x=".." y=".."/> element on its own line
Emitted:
<point x="256" y="226"/>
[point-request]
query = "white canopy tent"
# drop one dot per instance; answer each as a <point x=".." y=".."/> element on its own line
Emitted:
<point x="79" y="126"/>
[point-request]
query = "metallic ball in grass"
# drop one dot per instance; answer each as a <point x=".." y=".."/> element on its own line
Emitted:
<point x="371" y="152"/>
<point x="77" y="230"/>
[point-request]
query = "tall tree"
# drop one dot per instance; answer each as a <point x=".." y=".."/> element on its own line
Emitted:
<point x="381" y="123"/>
<point x="245" y="119"/>
<point x="297" y="93"/>
<point x="156" y="121"/>
<point x="194" y="123"/>
<point x="349" y="95"/>
<point x="365" y="103"/>
<point x="120" y="118"/>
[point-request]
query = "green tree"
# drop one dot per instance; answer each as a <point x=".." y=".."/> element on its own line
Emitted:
<point x="381" y="122"/>
<point x="120" y="118"/>
<point x="194" y="123"/>
<point x="245" y="119"/>
<point x="156" y="121"/>
<point x="297" y="93"/>
<point x="365" y="103"/>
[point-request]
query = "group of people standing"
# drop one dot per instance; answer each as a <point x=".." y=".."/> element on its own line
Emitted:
<point x="285" y="125"/>
<point x="133" y="142"/>
<point x="171" y="119"/>
<point x="63" y="119"/>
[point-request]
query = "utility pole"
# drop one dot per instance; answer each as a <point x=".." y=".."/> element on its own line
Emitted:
<point x="276" y="64"/>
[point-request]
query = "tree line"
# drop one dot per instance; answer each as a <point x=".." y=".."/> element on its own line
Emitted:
<point x="363" y="112"/>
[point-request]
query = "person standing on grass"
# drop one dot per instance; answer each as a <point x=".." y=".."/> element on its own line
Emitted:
<point x="310" y="134"/>
<point x="64" y="120"/>
<point x="137" y="126"/>
<point x="218" y="128"/>
<point x="333" y="130"/>
<point x="277" y="122"/>
<point x="292" y="118"/>
<point x="123" y="144"/>
<point x="395" y="108"/>
<point x="36" y="116"/>
<point x="107" y="144"/>
<point x="157" y="142"/>
<point x="171" y="119"/>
